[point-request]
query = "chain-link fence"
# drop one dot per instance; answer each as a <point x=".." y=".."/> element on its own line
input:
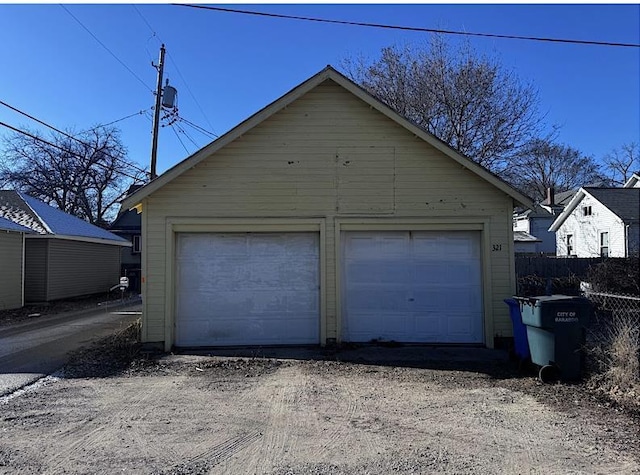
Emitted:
<point x="614" y="306"/>
<point x="613" y="342"/>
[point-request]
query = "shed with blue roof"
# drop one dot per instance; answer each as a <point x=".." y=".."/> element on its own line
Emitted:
<point x="63" y="256"/>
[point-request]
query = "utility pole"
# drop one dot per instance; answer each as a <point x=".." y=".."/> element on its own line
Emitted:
<point x="156" y="113"/>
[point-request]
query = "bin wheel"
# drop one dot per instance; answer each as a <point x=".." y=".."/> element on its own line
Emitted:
<point x="548" y="374"/>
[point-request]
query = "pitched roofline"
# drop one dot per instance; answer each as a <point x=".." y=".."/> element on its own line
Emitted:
<point x="327" y="73"/>
<point x="14" y="227"/>
<point x="573" y="204"/>
<point x="562" y="217"/>
<point x="630" y="183"/>
<point x="110" y="242"/>
<point x="43" y="223"/>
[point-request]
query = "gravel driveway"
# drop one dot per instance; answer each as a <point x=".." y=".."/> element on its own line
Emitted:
<point x="366" y="411"/>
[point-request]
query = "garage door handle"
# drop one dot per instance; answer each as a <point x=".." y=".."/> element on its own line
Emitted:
<point x="411" y="299"/>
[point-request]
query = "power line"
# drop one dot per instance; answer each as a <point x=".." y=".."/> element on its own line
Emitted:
<point x="198" y="128"/>
<point x="408" y="28"/>
<point x="180" y="140"/>
<point x="153" y="32"/>
<point x="140" y="112"/>
<point x="144" y="20"/>
<point x="106" y="48"/>
<point x="15" y="109"/>
<point x="190" y="92"/>
<point x="41" y="140"/>
<point x="184" y="132"/>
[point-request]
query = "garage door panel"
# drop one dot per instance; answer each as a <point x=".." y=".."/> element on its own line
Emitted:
<point x="247" y="289"/>
<point x="412" y="286"/>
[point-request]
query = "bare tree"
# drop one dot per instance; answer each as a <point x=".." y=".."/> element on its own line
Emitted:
<point x="84" y="175"/>
<point x="543" y="164"/>
<point x="622" y="163"/>
<point x="468" y="101"/>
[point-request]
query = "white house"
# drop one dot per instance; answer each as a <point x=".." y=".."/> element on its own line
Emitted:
<point x="599" y="222"/>
<point x="633" y="182"/>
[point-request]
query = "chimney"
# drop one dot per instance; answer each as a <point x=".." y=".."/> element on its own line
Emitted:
<point x="550" y="201"/>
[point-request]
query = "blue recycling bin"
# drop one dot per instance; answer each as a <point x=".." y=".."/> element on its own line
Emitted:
<point x="520" y="340"/>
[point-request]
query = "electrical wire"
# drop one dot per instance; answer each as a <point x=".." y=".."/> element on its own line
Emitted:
<point x="184" y="132"/>
<point x="41" y="140"/>
<point x="186" y="84"/>
<point x="198" y="128"/>
<point x="106" y="48"/>
<point x="61" y="132"/>
<point x="144" y="20"/>
<point x="179" y="139"/>
<point x="140" y="112"/>
<point x="407" y="28"/>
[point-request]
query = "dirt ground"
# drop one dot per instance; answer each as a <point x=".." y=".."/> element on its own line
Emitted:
<point x="54" y="308"/>
<point x="362" y="411"/>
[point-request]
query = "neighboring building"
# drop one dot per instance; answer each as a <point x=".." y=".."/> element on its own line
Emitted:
<point x="633" y="182"/>
<point x="11" y="264"/>
<point x="326" y="217"/>
<point x="64" y="256"/>
<point x="599" y="222"/>
<point x="525" y="243"/>
<point x="531" y="226"/>
<point x="128" y="225"/>
<point x="531" y="231"/>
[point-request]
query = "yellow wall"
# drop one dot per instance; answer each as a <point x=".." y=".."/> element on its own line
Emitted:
<point x="327" y="157"/>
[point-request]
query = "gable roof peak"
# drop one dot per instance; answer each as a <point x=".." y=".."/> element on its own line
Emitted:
<point x="329" y="72"/>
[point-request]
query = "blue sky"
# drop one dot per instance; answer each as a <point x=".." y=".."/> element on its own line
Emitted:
<point x="228" y="66"/>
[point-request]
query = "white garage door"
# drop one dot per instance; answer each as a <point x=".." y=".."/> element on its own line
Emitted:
<point x="412" y="287"/>
<point x="247" y="289"/>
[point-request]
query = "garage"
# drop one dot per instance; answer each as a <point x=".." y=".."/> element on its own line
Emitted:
<point x="247" y="289"/>
<point x="420" y="287"/>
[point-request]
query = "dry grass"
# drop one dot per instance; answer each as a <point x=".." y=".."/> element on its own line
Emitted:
<point x="616" y="355"/>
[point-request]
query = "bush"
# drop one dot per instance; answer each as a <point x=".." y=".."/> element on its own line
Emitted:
<point x="534" y="285"/>
<point x="616" y="276"/>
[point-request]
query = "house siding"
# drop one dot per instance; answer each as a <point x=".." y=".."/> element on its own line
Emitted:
<point x="330" y="157"/>
<point x="11" y="276"/>
<point x="540" y="229"/>
<point x="586" y="230"/>
<point x="633" y="235"/>
<point x="35" y="270"/>
<point x="81" y="268"/>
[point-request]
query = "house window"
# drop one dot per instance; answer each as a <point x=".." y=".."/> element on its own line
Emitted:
<point x="586" y="210"/>
<point x="569" y="244"/>
<point x="604" y="244"/>
<point x="136" y="244"/>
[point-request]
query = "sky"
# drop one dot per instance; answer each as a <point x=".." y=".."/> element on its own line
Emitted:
<point x="227" y="66"/>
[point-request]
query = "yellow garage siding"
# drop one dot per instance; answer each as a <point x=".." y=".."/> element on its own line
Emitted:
<point x="294" y="165"/>
<point x="11" y="276"/>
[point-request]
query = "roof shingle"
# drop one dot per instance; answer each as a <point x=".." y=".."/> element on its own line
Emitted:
<point x="41" y="218"/>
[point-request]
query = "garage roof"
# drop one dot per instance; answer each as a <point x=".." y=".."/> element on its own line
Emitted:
<point x="7" y="225"/>
<point x="328" y="73"/>
<point x="44" y="220"/>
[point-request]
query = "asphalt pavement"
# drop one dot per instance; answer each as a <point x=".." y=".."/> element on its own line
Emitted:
<point x="39" y="347"/>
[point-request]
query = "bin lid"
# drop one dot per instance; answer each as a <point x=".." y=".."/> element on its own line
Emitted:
<point x="556" y="298"/>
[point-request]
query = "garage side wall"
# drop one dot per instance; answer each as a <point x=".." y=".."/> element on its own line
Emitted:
<point x="35" y="270"/>
<point x="81" y="268"/>
<point x="11" y="276"/>
<point x="329" y="156"/>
